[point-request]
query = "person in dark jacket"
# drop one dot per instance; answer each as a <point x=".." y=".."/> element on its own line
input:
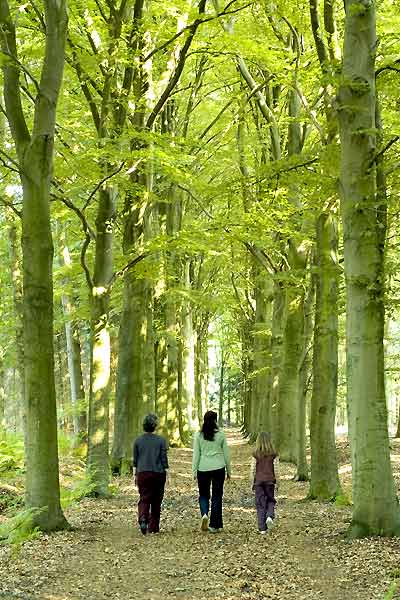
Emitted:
<point x="264" y="480"/>
<point x="150" y="461"/>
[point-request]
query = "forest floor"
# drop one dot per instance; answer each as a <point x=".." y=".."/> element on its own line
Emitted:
<point x="305" y="557"/>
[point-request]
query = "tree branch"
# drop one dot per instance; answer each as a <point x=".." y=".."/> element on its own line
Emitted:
<point x="224" y="13"/>
<point x="11" y="71"/>
<point x="173" y="80"/>
<point x="127" y="267"/>
<point x="384" y="149"/>
<point x="98" y="185"/>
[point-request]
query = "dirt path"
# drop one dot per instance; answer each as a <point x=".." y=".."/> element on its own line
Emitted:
<point x="305" y="557"/>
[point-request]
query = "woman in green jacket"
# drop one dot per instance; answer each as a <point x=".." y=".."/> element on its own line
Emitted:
<point x="211" y="464"/>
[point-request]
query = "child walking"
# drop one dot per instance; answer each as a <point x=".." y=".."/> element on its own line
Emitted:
<point x="264" y="480"/>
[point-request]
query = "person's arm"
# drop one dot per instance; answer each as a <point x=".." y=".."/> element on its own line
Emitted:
<point x="227" y="456"/>
<point x="252" y="471"/>
<point x="164" y="455"/>
<point x="276" y="470"/>
<point x="196" y="454"/>
<point x="135" y="459"/>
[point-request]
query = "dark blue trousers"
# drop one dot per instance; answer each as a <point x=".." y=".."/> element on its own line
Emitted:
<point x="215" y="481"/>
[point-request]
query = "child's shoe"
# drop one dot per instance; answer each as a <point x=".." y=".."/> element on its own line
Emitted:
<point x="214" y="529"/>
<point x="270" y="523"/>
<point x="204" y="523"/>
<point x="262" y="531"/>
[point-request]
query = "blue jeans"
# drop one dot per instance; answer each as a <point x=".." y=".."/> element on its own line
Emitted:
<point x="205" y="480"/>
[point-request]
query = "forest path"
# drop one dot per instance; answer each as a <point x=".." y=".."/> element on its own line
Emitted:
<point x="304" y="557"/>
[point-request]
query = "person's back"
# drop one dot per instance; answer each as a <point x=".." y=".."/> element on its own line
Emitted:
<point x="150" y="453"/>
<point x="151" y="463"/>
<point x="211" y="454"/>
<point x="264" y="471"/>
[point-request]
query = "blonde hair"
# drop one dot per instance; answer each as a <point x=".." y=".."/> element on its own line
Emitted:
<point x="264" y="446"/>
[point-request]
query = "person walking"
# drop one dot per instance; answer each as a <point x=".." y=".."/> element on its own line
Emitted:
<point x="150" y="461"/>
<point x="210" y="465"/>
<point x="264" y="480"/>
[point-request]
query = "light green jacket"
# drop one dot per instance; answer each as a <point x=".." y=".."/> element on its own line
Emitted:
<point x="208" y="456"/>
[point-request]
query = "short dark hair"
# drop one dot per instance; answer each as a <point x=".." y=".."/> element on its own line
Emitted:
<point x="150" y="423"/>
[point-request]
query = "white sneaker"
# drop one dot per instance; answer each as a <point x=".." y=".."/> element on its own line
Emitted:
<point x="270" y="523"/>
<point x="204" y="523"/>
<point x="263" y="532"/>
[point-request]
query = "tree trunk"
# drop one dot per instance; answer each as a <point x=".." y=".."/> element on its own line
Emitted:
<point x="277" y="329"/>
<point x="16" y="277"/>
<point x="35" y="158"/>
<point x="75" y="375"/>
<point x="293" y="345"/>
<point x="77" y="390"/>
<point x="188" y="343"/>
<point x="221" y="389"/>
<point x="324" y="484"/>
<point x="262" y="351"/>
<point x="247" y="369"/>
<point x="375" y="506"/>
<point x="98" y="426"/>
<point x="304" y="377"/>
<point x="293" y="348"/>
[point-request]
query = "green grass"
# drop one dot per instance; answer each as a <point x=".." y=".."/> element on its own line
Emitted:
<point x="11" y="453"/>
<point x="390" y="594"/>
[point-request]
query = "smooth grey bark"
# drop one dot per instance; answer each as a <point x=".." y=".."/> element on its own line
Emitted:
<point x="324" y="483"/>
<point x="221" y="388"/>
<point x="77" y="390"/>
<point x="16" y="278"/>
<point x="260" y="417"/>
<point x="294" y="343"/>
<point x="247" y="369"/>
<point x="277" y="329"/>
<point x="302" y="471"/>
<point x="293" y="348"/>
<point x="133" y="397"/>
<point x="262" y="351"/>
<point x="98" y="424"/>
<point x="375" y="505"/>
<point x="188" y="352"/>
<point x="35" y="157"/>
<point x="201" y="368"/>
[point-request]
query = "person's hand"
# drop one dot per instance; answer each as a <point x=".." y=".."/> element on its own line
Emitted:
<point x="228" y="476"/>
<point x="194" y="477"/>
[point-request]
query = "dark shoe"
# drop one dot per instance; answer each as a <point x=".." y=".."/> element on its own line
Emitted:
<point x="143" y="527"/>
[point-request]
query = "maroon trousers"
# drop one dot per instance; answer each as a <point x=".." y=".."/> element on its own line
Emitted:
<point x="151" y="491"/>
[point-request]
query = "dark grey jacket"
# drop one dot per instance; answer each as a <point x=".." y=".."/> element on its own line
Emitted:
<point x="150" y="453"/>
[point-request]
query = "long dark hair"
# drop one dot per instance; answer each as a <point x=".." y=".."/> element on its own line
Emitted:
<point x="210" y="425"/>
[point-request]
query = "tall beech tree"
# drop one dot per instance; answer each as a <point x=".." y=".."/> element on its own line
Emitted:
<point x="34" y="147"/>
<point x="324" y="482"/>
<point x="375" y="506"/>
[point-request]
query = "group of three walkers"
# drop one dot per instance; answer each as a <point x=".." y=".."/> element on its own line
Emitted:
<point x="211" y="465"/>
